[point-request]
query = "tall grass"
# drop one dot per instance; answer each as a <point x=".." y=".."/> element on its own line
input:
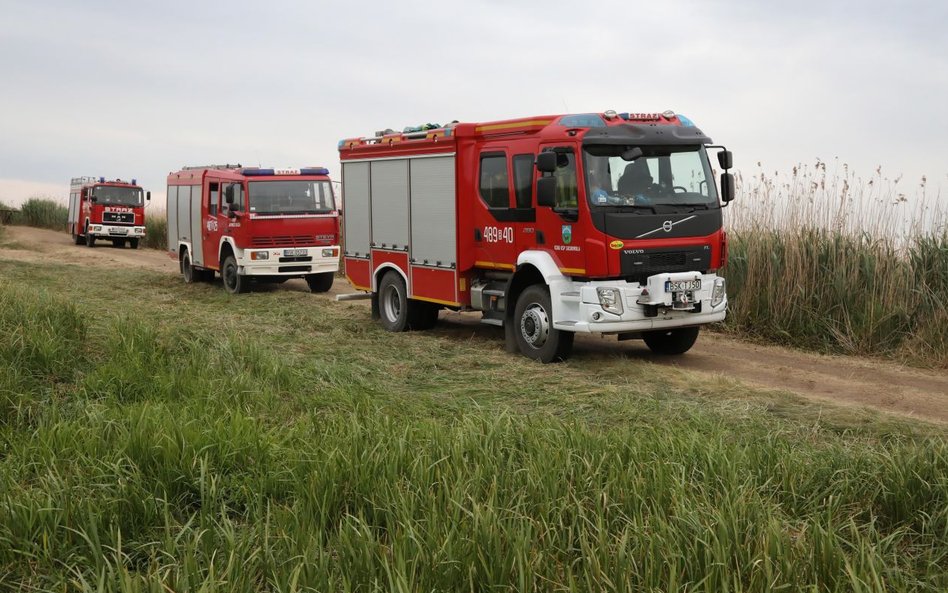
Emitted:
<point x="156" y="458"/>
<point x="44" y="213"/>
<point x="156" y="231"/>
<point x="826" y="260"/>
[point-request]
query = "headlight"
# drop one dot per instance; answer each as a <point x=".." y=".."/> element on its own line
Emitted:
<point x="259" y="255"/>
<point x="718" y="292"/>
<point x="610" y="299"/>
<point x="331" y="252"/>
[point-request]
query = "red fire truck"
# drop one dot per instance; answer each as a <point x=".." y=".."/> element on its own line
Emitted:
<point x="112" y="210"/>
<point x="253" y="224"/>
<point x="550" y="225"/>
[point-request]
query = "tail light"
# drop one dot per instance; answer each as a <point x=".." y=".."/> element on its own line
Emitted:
<point x="723" y="249"/>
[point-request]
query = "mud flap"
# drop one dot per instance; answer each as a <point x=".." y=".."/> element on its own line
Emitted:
<point x="376" y="315"/>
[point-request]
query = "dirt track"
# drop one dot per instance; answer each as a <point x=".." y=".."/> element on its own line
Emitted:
<point x="840" y="379"/>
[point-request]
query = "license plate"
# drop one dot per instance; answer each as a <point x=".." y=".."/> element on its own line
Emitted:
<point x="682" y="285"/>
<point x="294" y="252"/>
<point x="118" y="231"/>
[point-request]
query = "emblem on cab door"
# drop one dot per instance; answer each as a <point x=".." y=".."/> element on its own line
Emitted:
<point x="567" y="234"/>
<point x="617" y="245"/>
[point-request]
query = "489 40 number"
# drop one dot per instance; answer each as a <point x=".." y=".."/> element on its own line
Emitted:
<point x="493" y="234"/>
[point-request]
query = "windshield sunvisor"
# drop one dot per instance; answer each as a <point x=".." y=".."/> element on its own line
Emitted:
<point x="645" y="135"/>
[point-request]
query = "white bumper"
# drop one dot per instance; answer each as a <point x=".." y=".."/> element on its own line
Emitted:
<point x="577" y="306"/>
<point x="288" y="261"/>
<point x="116" y="231"/>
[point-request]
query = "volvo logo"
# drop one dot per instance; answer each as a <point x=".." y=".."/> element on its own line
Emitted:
<point x="667" y="226"/>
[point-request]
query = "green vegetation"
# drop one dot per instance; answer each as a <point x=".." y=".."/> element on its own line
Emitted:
<point x="156" y="231"/>
<point x="43" y="213"/>
<point x="826" y="261"/>
<point x="173" y="438"/>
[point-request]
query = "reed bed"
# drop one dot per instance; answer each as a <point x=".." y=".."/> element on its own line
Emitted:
<point x="207" y="459"/>
<point x="829" y="261"/>
<point x="156" y="231"/>
<point x="44" y="213"/>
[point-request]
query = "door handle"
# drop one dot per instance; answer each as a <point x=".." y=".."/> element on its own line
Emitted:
<point x="540" y="239"/>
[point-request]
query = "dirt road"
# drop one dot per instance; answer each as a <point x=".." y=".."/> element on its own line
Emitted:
<point x="843" y="380"/>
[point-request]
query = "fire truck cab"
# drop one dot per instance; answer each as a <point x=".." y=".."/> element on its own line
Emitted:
<point x="110" y="210"/>
<point x="550" y="226"/>
<point x="253" y="225"/>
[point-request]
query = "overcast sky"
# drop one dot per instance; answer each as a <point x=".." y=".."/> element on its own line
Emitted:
<point x="128" y="89"/>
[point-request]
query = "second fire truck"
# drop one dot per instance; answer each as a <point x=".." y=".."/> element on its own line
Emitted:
<point x="109" y="210"/>
<point x="550" y="226"/>
<point x="253" y="224"/>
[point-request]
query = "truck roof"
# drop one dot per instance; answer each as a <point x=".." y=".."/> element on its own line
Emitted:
<point x="240" y="172"/>
<point x="608" y="124"/>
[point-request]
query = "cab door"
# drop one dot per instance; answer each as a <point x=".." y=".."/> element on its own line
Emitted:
<point x="214" y="223"/>
<point x="504" y="208"/>
<point x="558" y="229"/>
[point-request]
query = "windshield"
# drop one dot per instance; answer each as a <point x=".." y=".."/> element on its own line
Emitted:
<point x="662" y="176"/>
<point x="290" y="197"/>
<point x="117" y="196"/>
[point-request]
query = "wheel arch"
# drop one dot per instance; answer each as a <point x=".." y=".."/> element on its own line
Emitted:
<point x="382" y="269"/>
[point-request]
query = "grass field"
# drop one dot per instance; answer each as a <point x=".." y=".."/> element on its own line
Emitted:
<point x="171" y="438"/>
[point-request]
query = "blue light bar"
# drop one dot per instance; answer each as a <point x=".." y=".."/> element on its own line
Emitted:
<point x="314" y="171"/>
<point x="257" y="172"/>
<point x="101" y="179"/>
<point x="134" y="181"/>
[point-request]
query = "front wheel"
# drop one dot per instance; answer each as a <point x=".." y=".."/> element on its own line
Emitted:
<point x="319" y="282"/>
<point x="671" y="341"/>
<point x="234" y="282"/>
<point x="533" y="326"/>
<point x="133" y="243"/>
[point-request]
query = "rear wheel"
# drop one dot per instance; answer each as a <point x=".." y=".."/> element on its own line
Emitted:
<point x="77" y="238"/>
<point x="234" y="282"/>
<point x="319" y="282"/>
<point x="533" y="319"/>
<point x="393" y="302"/>
<point x="671" y="341"/>
<point x="187" y="270"/>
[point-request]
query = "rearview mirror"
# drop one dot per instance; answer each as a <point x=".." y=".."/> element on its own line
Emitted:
<point x="546" y="191"/>
<point x="546" y="162"/>
<point x="727" y="187"/>
<point x="725" y="159"/>
<point x="632" y="154"/>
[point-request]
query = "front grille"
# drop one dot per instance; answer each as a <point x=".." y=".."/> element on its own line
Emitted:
<point x="284" y="241"/>
<point x="638" y="264"/>
<point x="119" y="217"/>
<point x="300" y="259"/>
<point x="288" y="269"/>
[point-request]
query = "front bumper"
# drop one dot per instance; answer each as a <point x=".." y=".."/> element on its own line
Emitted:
<point x="288" y="262"/>
<point x="577" y="307"/>
<point x="109" y="231"/>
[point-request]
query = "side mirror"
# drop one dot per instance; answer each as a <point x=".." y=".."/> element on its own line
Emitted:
<point x="546" y="162"/>
<point x="725" y="159"/>
<point x="632" y="154"/>
<point x="93" y="199"/>
<point x="546" y="191"/>
<point x="727" y="187"/>
<point x="229" y="194"/>
<point x="148" y="195"/>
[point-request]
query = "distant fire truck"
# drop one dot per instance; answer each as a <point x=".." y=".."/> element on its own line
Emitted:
<point x="550" y="225"/>
<point x="253" y="224"/>
<point x="110" y="210"/>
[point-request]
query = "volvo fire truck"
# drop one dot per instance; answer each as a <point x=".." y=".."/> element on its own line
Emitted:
<point x="551" y="225"/>
<point x="252" y="224"/>
<point x="109" y="210"/>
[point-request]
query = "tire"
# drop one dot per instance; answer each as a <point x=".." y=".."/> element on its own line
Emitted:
<point x="533" y="326"/>
<point x="187" y="270"/>
<point x="670" y="342"/>
<point x="134" y="243"/>
<point x="320" y="282"/>
<point x="393" y="303"/>
<point x="78" y="239"/>
<point x="90" y="238"/>
<point x="234" y="283"/>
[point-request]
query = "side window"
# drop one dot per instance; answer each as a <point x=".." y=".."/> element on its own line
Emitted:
<point x="523" y="180"/>
<point x="565" y="174"/>
<point x="214" y="196"/>
<point x="237" y="190"/>
<point x="494" y="186"/>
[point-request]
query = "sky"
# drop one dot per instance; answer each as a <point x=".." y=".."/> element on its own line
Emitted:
<point x="138" y="90"/>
